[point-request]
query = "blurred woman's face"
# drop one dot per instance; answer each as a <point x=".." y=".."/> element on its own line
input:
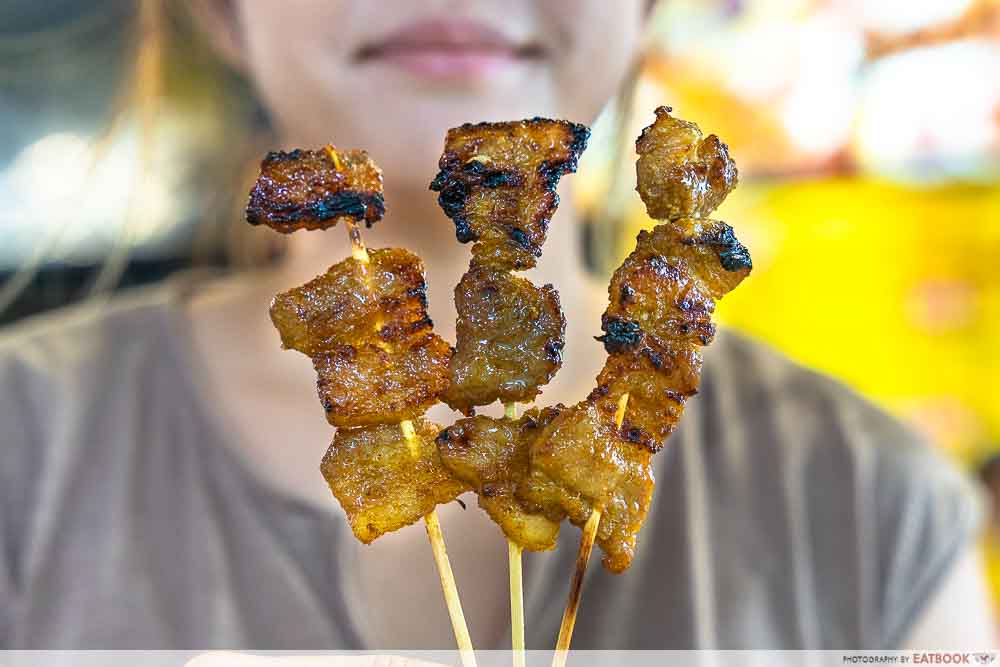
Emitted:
<point x="391" y="76"/>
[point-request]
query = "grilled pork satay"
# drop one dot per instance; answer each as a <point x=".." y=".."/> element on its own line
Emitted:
<point x="491" y="455"/>
<point x="510" y="339"/>
<point x="300" y="190"/>
<point x="679" y="174"/>
<point x="365" y="326"/>
<point x="368" y="384"/>
<point x="661" y="302"/>
<point x="497" y="183"/>
<point x="384" y="480"/>
<point x="354" y="303"/>
<point x="595" y="456"/>
<point x="582" y="461"/>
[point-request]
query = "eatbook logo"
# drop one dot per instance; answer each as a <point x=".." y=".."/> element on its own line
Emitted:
<point x="948" y="658"/>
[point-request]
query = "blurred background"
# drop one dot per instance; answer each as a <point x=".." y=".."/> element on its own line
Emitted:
<point x="867" y="134"/>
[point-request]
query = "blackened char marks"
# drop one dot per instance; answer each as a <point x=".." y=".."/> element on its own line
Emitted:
<point x="497" y="183"/>
<point x="619" y="334"/>
<point x="304" y="189"/>
<point x="733" y="255"/>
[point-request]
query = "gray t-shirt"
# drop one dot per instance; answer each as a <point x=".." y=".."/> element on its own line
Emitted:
<point x="789" y="513"/>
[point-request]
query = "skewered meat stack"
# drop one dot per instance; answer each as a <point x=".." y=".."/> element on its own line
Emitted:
<point x="380" y="366"/>
<point x="379" y="363"/>
<point x="563" y="462"/>
<point x="591" y="462"/>
<point x="497" y="183"/>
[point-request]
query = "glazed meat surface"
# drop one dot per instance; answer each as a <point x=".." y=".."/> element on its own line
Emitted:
<point x="708" y="247"/>
<point x="385" y="482"/>
<point x="355" y="303"/>
<point x="510" y="336"/>
<point x="661" y="300"/>
<point x="658" y="383"/>
<point x="497" y="182"/>
<point x="666" y="289"/>
<point x="491" y="456"/>
<point x="656" y="299"/>
<point x="365" y="326"/>
<point x="580" y="462"/>
<point x="368" y="384"/>
<point x="678" y="173"/>
<point x="306" y="189"/>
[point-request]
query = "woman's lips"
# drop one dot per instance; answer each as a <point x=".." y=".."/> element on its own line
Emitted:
<point x="447" y="49"/>
<point x="448" y="63"/>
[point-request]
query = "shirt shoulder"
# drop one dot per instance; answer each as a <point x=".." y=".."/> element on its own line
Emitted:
<point x="58" y="369"/>
<point x="62" y="338"/>
<point x="882" y="511"/>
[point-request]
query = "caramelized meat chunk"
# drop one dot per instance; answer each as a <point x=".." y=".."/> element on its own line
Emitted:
<point x="315" y="189"/>
<point x="580" y="462"/>
<point x="510" y="336"/>
<point x="384" y="481"/>
<point x="370" y="384"/>
<point x="355" y="304"/>
<point x="658" y="383"/>
<point x="655" y="299"/>
<point x="661" y="302"/>
<point x="708" y="247"/>
<point x="679" y="174"/>
<point x="491" y="455"/>
<point x="498" y="184"/>
<point x="665" y="291"/>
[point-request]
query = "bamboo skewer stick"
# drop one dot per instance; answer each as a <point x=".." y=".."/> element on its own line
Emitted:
<point x="516" y="603"/>
<point x="516" y="581"/>
<point x="576" y="588"/>
<point x="582" y="557"/>
<point x="451" y="598"/>
<point x="434" y="534"/>
<point x="436" y="537"/>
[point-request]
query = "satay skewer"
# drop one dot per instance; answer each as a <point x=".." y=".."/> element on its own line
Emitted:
<point x="434" y="534"/>
<point x="582" y="558"/>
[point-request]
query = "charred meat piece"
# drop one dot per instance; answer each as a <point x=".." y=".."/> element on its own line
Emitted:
<point x="498" y="185"/>
<point x="581" y="462"/>
<point x="365" y="326"/>
<point x="384" y="481"/>
<point x="708" y="247"/>
<point x="658" y="383"/>
<point x="679" y="174"/>
<point x="656" y="299"/>
<point x="666" y="289"/>
<point x="307" y="189"/>
<point x="661" y="301"/>
<point x="371" y="384"/>
<point x="510" y="336"/>
<point x="355" y="303"/>
<point x="491" y="455"/>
